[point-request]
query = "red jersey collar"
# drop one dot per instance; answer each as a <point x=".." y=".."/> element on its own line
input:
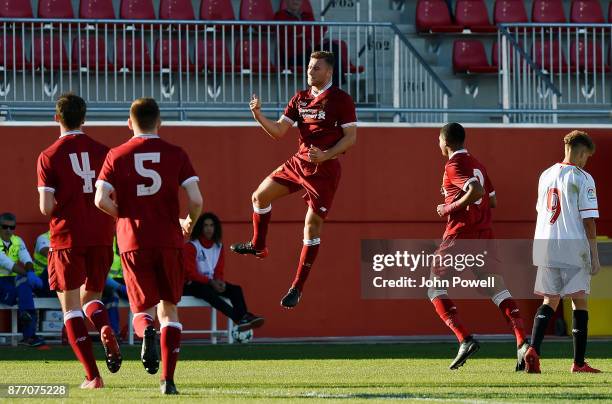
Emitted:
<point x="146" y="136"/>
<point x="316" y="93"/>
<point x="72" y="132"/>
<point x="460" y="151"/>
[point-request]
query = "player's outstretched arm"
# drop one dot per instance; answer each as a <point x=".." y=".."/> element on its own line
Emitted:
<point x="194" y="203"/>
<point x="276" y="129"/>
<point x="104" y="200"/>
<point x="474" y="192"/>
<point x="46" y="202"/>
<point x="590" y="228"/>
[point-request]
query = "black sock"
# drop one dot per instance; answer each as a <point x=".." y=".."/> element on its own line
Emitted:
<point x="579" y="331"/>
<point x="540" y="322"/>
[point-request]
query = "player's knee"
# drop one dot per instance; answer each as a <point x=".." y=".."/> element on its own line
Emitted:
<point x="259" y="200"/>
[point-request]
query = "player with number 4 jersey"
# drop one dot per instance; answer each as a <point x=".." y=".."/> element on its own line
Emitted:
<point x="81" y="238"/>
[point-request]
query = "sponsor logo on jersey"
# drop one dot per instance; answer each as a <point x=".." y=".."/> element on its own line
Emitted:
<point x="591" y="194"/>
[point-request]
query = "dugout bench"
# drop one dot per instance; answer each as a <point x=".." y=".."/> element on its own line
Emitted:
<point x="52" y="303"/>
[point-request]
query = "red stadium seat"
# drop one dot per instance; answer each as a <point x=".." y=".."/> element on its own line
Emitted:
<point x="132" y="54"/>
<point x="548" y="11"/>
<point x="214" y="56"/>
<point x="586" y="11"/>
<point x="610" y="12"/>
<point x="100" y="9"/>
<point x="510" y="11"/>
<point x="173" y="54"/>
<point x="256" y="10"/>
<point x="49" y="53"/>
<point x="469" y="57"/>
<point x="16" y="9"/>
<point x="586" y="56"/>
<point x="92" y="53"/>
<point x="11" y="54"/>
<point x="137" y="10"/>
<point x="217" y="10"/>
<point x="249" y="56"/>
<point x="306" y="6"/>
<point x="55" y="9"/>
<point x="433" y="16"/>
<point x="473" y="14"/>
<point x="176" y="10"/>
<point x="549" y="56"/>
<point x="343" y="60"/>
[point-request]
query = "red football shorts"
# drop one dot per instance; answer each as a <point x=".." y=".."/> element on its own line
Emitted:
<point x="476" y="242"/>
<point x="69" y="268"/>
<point x="152" y="275"/>
<point x="320" y="181"/>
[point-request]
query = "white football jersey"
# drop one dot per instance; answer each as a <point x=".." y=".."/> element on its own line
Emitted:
<point x="566" y="195"/>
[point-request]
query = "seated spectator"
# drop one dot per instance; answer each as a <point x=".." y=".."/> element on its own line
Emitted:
<point x="18" y="280"/>
<point x="114" y="289"/>
<point x="203" y="258"/>
<point x="41" y="250"/>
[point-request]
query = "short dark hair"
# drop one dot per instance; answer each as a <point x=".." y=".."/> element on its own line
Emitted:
<point x="8" y="217"/>
<point x="71" y="110"/>
<point x="454" y="134"/>
<point x="198" y="227"/>
<point x="579" y="138"/>
<point x="145" y="112"/>
<point x="329" y="57"/>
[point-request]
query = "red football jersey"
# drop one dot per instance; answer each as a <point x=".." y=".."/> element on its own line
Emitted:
<point x="320" y="117"/>
<point x="461" y="170"/>
<point x="68" y="168"/>
<point x="145" y="173"/>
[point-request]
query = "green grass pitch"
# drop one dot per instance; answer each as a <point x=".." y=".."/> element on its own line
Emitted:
<point x="331" y="373"/>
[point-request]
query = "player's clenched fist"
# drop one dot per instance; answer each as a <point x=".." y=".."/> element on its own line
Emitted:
<point x="255" y="104"/>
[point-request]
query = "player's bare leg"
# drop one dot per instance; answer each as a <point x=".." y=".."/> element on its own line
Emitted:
<point x="144" y="328"/>
<point x="78" y="336"/>
<point x="313" y="224"/>
<point x="97" y="314"/>
<point x="170" y="344"/>
<point x="580" y="322"/>
<point x="267" y="192"/>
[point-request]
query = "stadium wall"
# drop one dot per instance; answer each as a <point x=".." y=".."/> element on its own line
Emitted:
<point x="390" y="187"/>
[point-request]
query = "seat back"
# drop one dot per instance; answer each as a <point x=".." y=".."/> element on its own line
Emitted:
<point x="256" y="10"/>
<point x="468" y="52"/>
<point x="509" y="11"/>
<point x="54" y="8"/>
<point x="431" y="13"/>
<point x="101" y="9"/>
<point x="586" y="11"/>
<point x="469" y="13"/>
<point x="137" y="10"/>
<point x="176" y="10"/>
<point x="132" y="53"/>
<point x="217" y="10"/>
<point x="548" y="11"/>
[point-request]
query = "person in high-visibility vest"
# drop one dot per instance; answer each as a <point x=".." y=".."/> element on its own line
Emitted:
<point x="41" y="249"/>
<point x="114" y="289"/>
<point x="17" y="279"/>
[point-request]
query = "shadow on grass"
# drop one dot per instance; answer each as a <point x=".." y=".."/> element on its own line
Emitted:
<point x="493" y="350"/>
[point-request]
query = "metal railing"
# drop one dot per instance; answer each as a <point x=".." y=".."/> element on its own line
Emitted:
<point x="555" y="67"/>
<point x="199" y="67"/>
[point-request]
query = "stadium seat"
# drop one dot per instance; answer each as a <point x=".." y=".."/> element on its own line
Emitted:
<point x="132" y="54"/>
<point x="173" y="54"/>
<point x="92" y="52"/>
<point x="586" y="11"/>
<point x="214" y="56"/>
<point x="249" y="56"/>
<point x="101" y="9"/>
<point x="306" y="6"/>
<point x="137" y="10"/>
<point x="256" y="10"/>
<point x="55" y="9"/>
<point x="49" y="53"/>
<point x="548" y="11"/>
<point x="343" y="60"/>
<point x="610" y="12"/>
<point x="217" y="10"/>
<point x="510" y="11"/>
<point x="586" y="56"/>
<point x="469" y="57"/>
<point x="433" y="16"/>
<point x="549" y="56"/>
<point x="176" y="10"/>
<point x="473" y="14"/>
<point x="16" y="9"/>
<point x="7" y="60"/>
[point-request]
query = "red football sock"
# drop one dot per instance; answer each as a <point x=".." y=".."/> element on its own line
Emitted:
<point x="307" y="258"/>
<point x="141" y="321"/>
<point x="447" y="311"/>
<point x="170" y="347"/>
<point x="76" y="330"/>
<point x="97" y="314"/>
<point x="261" y="219"/>
<point x="513" y="316"/>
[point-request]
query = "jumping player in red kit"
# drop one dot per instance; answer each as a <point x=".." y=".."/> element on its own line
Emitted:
<point x="468" y="198"/>
<point x="139" y="185"/>
<point x="81" y="252"/>
<point x="325" y="117"/>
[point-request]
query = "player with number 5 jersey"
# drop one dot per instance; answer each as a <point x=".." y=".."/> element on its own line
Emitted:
<point x="139" y="185"/>
<point x="81" y="238"/>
